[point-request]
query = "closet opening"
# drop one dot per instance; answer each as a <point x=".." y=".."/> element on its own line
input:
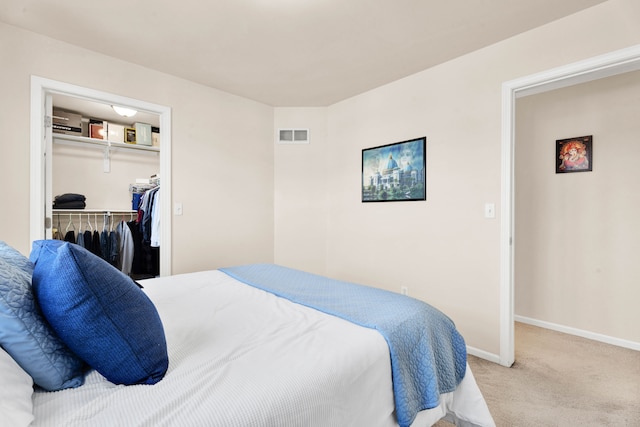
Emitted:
<point x="89" y="171"/>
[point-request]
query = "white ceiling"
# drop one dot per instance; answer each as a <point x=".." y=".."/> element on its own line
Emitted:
<point x="286" y="52"/>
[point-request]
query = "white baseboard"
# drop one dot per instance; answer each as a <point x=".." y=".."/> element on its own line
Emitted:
<point x="579" y="332"/>
<point x="495" y="358"/>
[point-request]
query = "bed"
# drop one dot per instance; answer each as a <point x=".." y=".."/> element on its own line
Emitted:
<point x="241" y="352"/>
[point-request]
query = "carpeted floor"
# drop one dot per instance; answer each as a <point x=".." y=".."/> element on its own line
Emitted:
<point x="561" y="380"/>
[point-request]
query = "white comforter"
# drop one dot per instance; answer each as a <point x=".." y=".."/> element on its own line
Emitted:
<point x="239" y="356"/>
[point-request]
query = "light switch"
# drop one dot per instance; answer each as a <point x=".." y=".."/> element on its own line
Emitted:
<point x="489" y="210"/>
<point x="177" y="208"/>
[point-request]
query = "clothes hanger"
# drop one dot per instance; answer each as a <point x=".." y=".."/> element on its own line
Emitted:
<point x="73" y="227"/>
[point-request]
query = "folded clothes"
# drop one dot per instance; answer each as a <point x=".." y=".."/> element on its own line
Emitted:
<point x="69" y="197"/>
<point x="69" y="205"/>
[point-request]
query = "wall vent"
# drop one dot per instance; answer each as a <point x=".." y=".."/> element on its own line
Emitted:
<point x="293" y="136"/>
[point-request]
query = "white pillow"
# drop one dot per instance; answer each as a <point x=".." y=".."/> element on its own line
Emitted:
<point x="16" y="407"/>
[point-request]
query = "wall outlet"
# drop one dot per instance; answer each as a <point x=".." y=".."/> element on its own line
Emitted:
<point x="404" y="290"/>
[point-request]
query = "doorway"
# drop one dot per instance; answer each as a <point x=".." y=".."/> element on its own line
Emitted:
<point x="611" y="64"/>
<point x="43" y="89"/>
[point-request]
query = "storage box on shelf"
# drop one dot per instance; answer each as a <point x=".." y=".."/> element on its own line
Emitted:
<point x="66" y="122"/>
<point x="143" y="134"/>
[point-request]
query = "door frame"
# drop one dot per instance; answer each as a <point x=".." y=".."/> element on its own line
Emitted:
<point x="607" y="65"/>
<point x="40" y="88"/>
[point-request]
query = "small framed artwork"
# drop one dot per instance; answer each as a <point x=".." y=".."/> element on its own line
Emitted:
<point x="395" y="172"/>
<point x="574" y="154"/>
<point x="130" y="135"/>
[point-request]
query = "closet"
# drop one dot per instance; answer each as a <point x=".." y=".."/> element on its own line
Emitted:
<point x="95" y="164"/>
<point x="77" y="157"/>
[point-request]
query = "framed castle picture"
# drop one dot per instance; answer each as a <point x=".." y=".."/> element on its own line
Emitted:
<point x="574" y="154"/>
<point x="395" y="172"/>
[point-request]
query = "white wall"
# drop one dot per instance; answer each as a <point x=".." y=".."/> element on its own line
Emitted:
<point x="301" y="198"/>
<point x="578" y="234"/>
<point x="78" y="169"/>
<point x="443" y="249"/>
<point x="222" y="150"/>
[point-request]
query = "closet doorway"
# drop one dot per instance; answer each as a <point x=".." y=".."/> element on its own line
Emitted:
<point x="614" y="63"/>
<point x="46" y="94"/>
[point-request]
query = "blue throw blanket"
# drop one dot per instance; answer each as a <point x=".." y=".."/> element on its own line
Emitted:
<point x="428" y="355"/>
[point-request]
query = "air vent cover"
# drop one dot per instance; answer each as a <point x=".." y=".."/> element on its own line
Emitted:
<point x="293" y="136"/>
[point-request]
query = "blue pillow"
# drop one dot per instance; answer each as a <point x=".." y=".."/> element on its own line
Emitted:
<point x="26" y="335"/>
<point x="100" y="313"/>
<point x="43" y="252"/>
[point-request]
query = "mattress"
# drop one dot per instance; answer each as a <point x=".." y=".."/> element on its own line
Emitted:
<point x="241" y="356"/>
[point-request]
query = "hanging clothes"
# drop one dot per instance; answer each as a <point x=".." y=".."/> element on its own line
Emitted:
<point x="80" y="238"/>
<point x="105" y="244"/>
<point x="146" y="260"/>
<point x="80" y="241"/>
<point x="126" y="248"/>
<point x="105" y="249"/>
<point x="114" y="248"/>
<point x="154" y="239"/>
<point x="96" y="247"/>
<point x="138" y="261"/>
<point x="88" y="241"/>
<point x="70" y="236"/>
<point x="149" y="200"/>
<point x="145" y="234"/>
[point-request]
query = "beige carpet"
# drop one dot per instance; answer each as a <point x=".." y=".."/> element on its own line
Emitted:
<point x="561" y="380"/>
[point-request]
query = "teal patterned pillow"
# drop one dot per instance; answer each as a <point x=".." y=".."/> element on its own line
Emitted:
<point x="15" y="258"/>
<point x="26" y="335"/>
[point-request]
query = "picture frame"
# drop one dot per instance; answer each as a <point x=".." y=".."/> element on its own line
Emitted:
<point x="574" y="154"/>
<point x="130" y="135"/>
<point x="395" y="172"/>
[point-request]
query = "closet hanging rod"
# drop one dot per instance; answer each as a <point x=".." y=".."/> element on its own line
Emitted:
<point x="91" y="211"/>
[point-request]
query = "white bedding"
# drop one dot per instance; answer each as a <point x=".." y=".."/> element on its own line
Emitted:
<point x="239" y="356"/>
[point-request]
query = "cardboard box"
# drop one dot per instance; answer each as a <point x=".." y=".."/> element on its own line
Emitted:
<point x="67" y="122"/>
